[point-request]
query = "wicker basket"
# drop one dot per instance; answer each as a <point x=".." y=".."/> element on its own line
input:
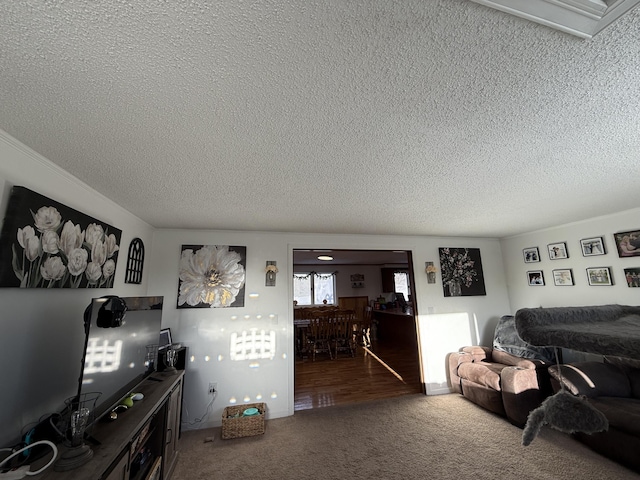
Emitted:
<point x="234" y="425"/>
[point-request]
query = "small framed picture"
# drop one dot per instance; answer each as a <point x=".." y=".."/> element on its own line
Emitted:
<point x="592" y="246"/>
<point x="628" y="243"/>
<point x="599" y="276"/>
<point x="535" y="277"/>
<point x="562" y="277"/>
<point x="531" y="255"/>
<point x="357" y="280"/>
<point x="557" y="251"/>
<point x="165" y="338"/>
<point x="632" y="276"/>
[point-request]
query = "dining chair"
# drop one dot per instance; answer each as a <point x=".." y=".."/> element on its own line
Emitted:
<point x="343" y="332"/>
<point x="364" y="329"/>
<point x="319" y="335"/>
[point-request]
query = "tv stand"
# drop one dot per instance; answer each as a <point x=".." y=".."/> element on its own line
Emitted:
<point x="142" y="443"/>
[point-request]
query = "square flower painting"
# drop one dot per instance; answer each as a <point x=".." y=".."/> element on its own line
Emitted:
<point x="45" y="244"/>
<point x="211" y="276"/>
<point x="461" y="272"/>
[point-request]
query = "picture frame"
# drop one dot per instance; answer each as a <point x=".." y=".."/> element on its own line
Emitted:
<point x="37" y="257"/>
<point x="558" y="251"/>
<point x="229" y="262"/>
<point x="563" y="277"/>
<point x="357" y="280"/>
<point x="593" y="246"/>
<point x="531" y="255"/>
<point x="632" y="277"/>
<point x="628" y="243"/>
<point x="165" y="339"/>
<point x="461" y="272"/>
<point x="535" y="278"/>
<point x="599" y="276"/>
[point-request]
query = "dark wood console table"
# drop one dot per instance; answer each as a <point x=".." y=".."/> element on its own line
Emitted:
<point x="142" y="443"/>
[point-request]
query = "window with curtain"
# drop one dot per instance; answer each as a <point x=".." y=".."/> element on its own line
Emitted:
<point x="314" y="288"/>
<point x="401" y="282"/>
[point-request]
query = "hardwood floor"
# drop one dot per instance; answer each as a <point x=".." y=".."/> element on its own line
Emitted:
<point x="380" y="372"/>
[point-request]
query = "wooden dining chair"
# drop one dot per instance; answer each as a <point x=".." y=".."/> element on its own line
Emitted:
<point x="319" y="335"/>
<point x="364" y="329"/>
<point x="343" y="332"/>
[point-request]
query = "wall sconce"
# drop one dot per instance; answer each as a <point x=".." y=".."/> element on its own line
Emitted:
<point x="271" y="270"/>
<point x="431" y="272"/>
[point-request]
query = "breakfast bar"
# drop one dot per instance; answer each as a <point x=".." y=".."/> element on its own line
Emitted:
<point x="396" y="326"/>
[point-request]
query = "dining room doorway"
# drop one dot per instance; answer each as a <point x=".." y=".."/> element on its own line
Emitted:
<point x="387" y="365"/>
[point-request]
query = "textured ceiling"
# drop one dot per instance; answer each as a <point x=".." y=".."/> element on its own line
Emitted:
<point x="439" y="117"/>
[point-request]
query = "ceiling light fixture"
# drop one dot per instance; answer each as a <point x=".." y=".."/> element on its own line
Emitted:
<point x="325" y="258"/>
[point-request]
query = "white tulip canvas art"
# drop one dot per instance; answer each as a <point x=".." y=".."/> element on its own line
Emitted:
<point x="45" y="244"/>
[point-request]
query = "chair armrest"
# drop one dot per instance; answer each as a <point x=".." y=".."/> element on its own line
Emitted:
<point x="478" y="352"/>
<point x="516" y="380"/>
<point x="457" y="358"/>
<point x="454" y="360"/>
<point x="523" y="390"/>
<point x="505" y="358"/>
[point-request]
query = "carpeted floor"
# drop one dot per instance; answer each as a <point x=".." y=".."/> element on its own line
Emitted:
<point x="409" y="437"/>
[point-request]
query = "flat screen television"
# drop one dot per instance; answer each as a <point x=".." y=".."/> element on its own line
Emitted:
<point x="115" y="353"/>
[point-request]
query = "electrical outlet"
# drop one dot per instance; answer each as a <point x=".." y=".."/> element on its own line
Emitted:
<point x="213" y="388"/>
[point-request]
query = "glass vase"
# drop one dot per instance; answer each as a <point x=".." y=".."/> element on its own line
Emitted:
<point x="455" y="289"/>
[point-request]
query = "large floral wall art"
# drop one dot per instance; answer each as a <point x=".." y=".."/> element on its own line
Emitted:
<point x="461" y="272"/>
<point x="211" y="276"/>
<point x="45" y="244"/>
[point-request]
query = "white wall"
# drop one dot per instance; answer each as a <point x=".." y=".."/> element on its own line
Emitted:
<point x="372" y="281"/>
<point x="206" y="332"/>
<point x="522" y="295"/>
<point x="42" y="330"/>
<point x="43" y="333"/>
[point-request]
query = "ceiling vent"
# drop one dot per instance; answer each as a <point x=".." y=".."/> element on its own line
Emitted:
<point x="584" y="18"/>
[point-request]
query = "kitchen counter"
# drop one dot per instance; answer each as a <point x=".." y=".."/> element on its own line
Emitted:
<point x="395" y="311"/>
<point x="396" y="326"/>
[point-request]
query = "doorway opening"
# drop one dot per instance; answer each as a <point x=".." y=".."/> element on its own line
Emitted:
<point x="378" y="283"/>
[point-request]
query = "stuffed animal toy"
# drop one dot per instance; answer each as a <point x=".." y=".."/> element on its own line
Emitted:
<point x="565" y="412"/>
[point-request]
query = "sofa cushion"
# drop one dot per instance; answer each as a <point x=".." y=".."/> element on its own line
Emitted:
<point x="634" y="381"/>
<point x="593" y="379"/>
<point x="622" y="413"/>
<point x="631" y="368"/>
<point x="483" y="373"/>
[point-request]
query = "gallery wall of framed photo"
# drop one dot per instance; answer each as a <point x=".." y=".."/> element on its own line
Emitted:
<point x="587" y="263"/>
<point x="627" y="245"/>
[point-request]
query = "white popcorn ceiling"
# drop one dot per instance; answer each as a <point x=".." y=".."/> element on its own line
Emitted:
<point x="439" y="117"/>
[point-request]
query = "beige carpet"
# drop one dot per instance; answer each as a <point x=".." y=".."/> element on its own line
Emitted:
<point x="410" y="437"/>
